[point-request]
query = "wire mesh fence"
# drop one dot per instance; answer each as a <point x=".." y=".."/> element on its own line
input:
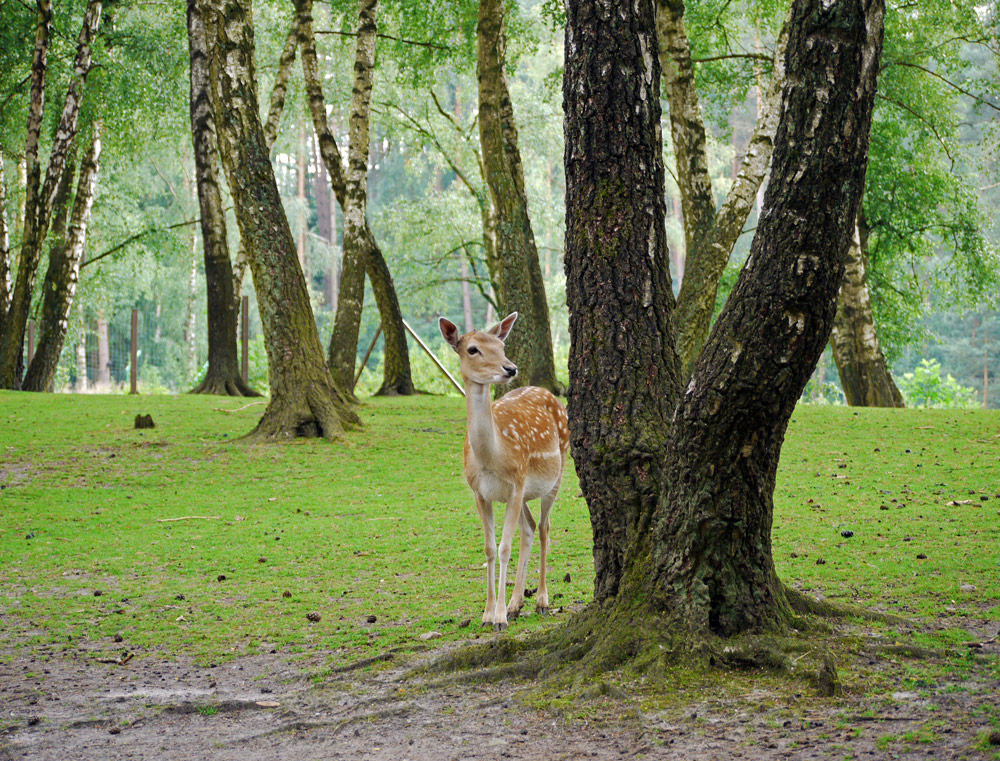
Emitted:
<point x="133" y="349"/>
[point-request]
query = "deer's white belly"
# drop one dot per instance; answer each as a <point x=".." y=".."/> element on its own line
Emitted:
<point x="496" y="489"/>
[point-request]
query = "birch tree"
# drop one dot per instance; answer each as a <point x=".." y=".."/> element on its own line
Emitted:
<point x="343" y="343"/>
<point x="39" y="195"/>
<point x="63" y="272"/>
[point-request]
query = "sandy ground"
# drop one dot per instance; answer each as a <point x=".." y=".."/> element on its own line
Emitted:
<point x="73" y="708"/>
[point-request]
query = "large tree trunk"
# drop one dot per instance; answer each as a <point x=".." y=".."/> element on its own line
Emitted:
<point x="343" y="350"/>
<point x="305" y="401"/>
<point x="39" y="202"/>
<point x="623" y="369"/>
<point x="63" y="272"/>
<point x="710" y="561"/>
<point x="700" y="560"/>
<point x="275" y="109"/>
<point x="709" y="235"/>
<point x="517" y="272"/>
<point x="223" y="375"/>
<point x="864" y="374"/>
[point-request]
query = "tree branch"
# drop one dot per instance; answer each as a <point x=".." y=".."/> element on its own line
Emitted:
<point x="752" y="56"/>
<point x="923" y="121"/>
<point x="957" y="88"/>
<point x="142" y="234"/>
<point x="384" y="36"/>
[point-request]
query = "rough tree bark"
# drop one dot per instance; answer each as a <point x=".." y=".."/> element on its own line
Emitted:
<point x="864" y="374"/>
<point x="397" y="379"/>
<point x="223" y="375"/>
<point x="623" y="369"/>
<point x="305" y="401"/>
<point x="709" y="234"/>
<point x="277" y="105"/>
<point x="38" y="205"/>
<point x="63" y="273"/>
<point x="700" y="561"/>
<point x="517" y="272"/>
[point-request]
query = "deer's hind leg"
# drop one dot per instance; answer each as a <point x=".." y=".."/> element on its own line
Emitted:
<point x="542" y="598"/>
<point x="526" y="522"/>
<point x="485" y="509"/>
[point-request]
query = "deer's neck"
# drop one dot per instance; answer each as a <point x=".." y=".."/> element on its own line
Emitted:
<point x="482" y="432"/>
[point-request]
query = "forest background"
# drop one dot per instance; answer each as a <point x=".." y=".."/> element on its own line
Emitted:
<point x="931" y="199"/>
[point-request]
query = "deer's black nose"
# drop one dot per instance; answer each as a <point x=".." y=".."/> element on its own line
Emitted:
<point x="511" y="370"/>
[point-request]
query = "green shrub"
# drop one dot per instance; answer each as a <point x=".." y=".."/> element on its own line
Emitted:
<point x="925" y="387"/>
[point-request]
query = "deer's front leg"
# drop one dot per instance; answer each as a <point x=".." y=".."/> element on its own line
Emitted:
<point x="485" y="509"/>
<point x="510" y="520"/>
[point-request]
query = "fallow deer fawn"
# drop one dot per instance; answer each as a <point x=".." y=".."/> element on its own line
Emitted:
<point x="515" y="450"/>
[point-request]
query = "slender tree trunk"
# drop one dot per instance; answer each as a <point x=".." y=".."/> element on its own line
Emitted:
<point x="300" y="195"/>
<point x="277" y="105"/>
<point x="709" y="562"/>
<point x="223" y="376"/>
<point x="518" y="274"/>
<point x="343" y="349"/>
<point x="5" y="284"/>
<point x="344" y="343"/>
<point x="864" y="374"/>
<point x="623" y="369"/>
<point x="39" y="203"/>
<point x="325" y="224"/>
<point x="11" y="327"/>
<point x="63" y="273"/>
<point x="305" y="401"/>
<point x="191" y="318"/>
<point x="709" y="235"/>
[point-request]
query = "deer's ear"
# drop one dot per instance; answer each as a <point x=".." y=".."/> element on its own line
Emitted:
<point x="502" y="329"/>
<point x="450" y="332"/>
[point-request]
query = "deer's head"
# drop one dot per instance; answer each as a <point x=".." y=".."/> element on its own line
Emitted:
<point x="481" y="352"/>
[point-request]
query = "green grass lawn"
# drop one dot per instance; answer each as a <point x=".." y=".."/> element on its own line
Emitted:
<point x="383" y="524"/>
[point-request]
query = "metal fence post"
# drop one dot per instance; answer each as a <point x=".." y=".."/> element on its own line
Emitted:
<point x="133" y="370"/>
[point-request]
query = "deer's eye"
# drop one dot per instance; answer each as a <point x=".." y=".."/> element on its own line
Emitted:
<point x="473" y="350"/>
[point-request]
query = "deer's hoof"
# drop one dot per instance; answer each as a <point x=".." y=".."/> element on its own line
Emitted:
<point x="542" y="610"/>
<point x="500" y="628"/>
<point x="513" y="613"/>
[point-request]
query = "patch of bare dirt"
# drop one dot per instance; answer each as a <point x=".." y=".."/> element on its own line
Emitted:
<point x="62" y="708"/>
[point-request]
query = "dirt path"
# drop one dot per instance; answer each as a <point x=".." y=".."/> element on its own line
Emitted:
<point x="54" y="708"/>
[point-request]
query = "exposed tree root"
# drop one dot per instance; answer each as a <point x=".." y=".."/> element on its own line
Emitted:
<point x="808" y="605"/>
<point x="310" y="414"/>
<point x="224" y="386"/>
<point x="609" y="644"/>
